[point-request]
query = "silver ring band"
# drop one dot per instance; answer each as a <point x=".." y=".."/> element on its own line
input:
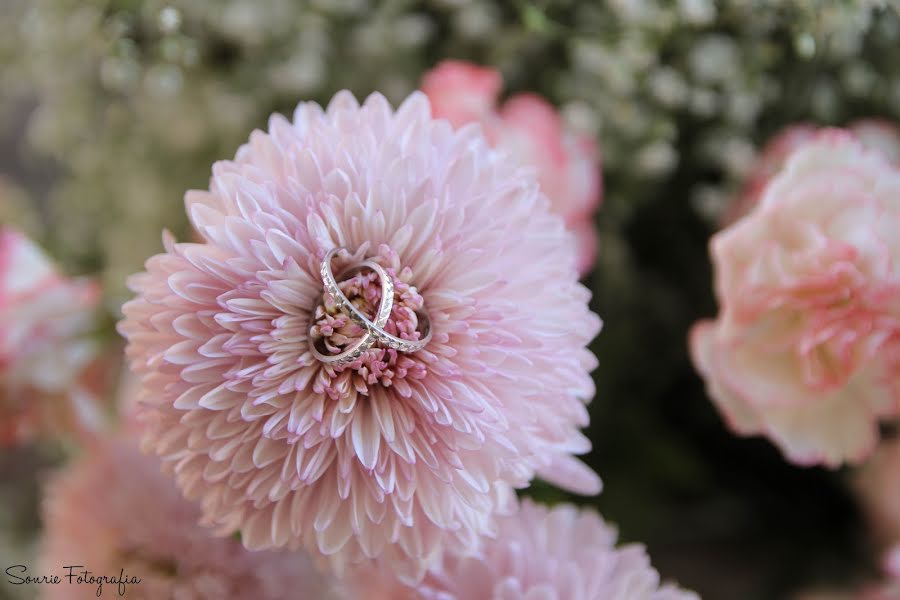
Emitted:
<point x="384" y="311"/>
<point x="374" y="330"/>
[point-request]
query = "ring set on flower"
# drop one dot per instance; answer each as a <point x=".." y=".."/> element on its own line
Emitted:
<point x="374" y="330"/>
<point x="396" y="457"/>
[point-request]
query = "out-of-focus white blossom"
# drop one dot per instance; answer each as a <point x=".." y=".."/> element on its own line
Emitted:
<point x="152" y="91"/>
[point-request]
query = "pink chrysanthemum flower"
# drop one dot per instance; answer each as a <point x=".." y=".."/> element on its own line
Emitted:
<point x="395" y="455"/>
<point x="561" y="553"/>
<point x="806" y="347"/>
<point x="114" y="513"/>
<point x="530" y="129"/>
<point x="45" y="350"/>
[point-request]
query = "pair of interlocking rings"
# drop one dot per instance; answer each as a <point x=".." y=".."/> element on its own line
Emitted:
<point x="374" y="330"/>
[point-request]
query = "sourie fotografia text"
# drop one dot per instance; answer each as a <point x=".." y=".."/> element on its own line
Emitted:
<point x="72" y="575"/>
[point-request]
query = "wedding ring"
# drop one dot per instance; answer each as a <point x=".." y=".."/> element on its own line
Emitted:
<point x="347" y="307"/>
<point x="375" y="332"/>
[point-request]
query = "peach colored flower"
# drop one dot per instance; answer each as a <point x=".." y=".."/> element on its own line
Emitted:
<point x="806" y="347"/>
<point x="529" y="129"/>
<point x="823" y="594"/>
<point x="889" y="587"/>
<point x="878" y="487"/>
<point x="868" y="592"/>
<point x="113" y="510"/>
<point x="395" y="455"/>
<point x="883" y="591"/>
<point x="875" y="134"/>
<point x="769" y="163"/>
<point x="886" y="589"/>
<point x="559" y="553"/>
<point x="45" y="350"/>
<point x="879" y="134"/>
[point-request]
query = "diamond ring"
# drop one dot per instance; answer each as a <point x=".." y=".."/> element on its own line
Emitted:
<point x="347" y="307"/>
<point x="374" y="330"/>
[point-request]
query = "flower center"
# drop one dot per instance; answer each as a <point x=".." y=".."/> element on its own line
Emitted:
<point x="334" y="331"/>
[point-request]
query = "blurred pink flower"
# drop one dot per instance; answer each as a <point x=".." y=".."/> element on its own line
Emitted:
<point x="112" y="509"/>
<point x="879" y="134"/>
<point x="823" y="594"/>
<point x="891" y="562"/>
<point x="464" y="93"/>
<point x="875" y="134"/>
<point x="395" y="455"/>
<point x="528" y="128"/>
<point x="878" y="487"/>
<point x="45" y="351"/>
<point x="871" y="591"/>
<point x="889" y="590"/>
<point x="559" y="553"/>
<point x="806" y="347"/>
<point x="769" y="163"/>
<point x="889" y="587"/>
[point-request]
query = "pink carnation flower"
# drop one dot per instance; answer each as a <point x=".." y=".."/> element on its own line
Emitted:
<point x="888" y="588"/>
<point x="871" y="591"/>
<point x="770" y="162"/>
<point x="882" y="136"/>
<point x="44" y="348"/>
<point x="528" y="128"/>
<point x="113" y="510"/>
<point x="561" y="553"/>
<point x="398" y="455"/>
<point x="878" y="486"/>
<point x="806" y="348"/>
